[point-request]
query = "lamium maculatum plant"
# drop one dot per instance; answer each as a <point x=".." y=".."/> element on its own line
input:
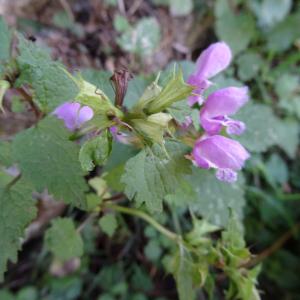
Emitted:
<point x="108" y="156"/>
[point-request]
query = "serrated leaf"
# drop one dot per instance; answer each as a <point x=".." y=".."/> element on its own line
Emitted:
<point x="235" y="29"/>
<point x="95" y="151"/>
<point x="143" y="38"/>
<point x="5" y="40"/>
<point x="51" y="82"/>
<point x="108" y="224"/>
<point x="152" y="174"/>
<point x="264" y="130"/>
<point x="49" y="160"/>
<point x="17" y="210"/>
<point x="63" y="240"/>
<point x="215" y="199"/>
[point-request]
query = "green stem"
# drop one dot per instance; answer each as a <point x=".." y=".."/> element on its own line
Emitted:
<point x="138" y="213"/>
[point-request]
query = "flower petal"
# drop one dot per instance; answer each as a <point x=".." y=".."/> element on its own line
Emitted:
<point x="85" y="114"/>
<point x="226" y="101"/>
<point x="213" y="60"/>
<point x="220" y="152"/>
<point x="235" y="127"/>
<point x="68" y="113"/>
<point x="226" y="175"/>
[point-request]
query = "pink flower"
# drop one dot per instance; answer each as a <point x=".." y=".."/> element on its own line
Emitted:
<point x="221" y="153"/>
<point x="73" y="115"/>
<point x="221" y="104"/>
<point x="213" y="60"/>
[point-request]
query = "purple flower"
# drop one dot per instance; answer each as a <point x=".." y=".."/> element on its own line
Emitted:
<point x="221" y="104"/>
<point x="119" y="136"/>
<point x="73" y="114"/>
<point x="213" y="60"/>
<point x="221" y="153"/>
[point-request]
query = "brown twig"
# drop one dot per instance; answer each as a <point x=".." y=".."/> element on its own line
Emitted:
<point x="273" y="248"/>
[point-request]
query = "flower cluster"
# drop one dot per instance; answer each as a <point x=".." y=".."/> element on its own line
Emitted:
<point x="213" y="150"/>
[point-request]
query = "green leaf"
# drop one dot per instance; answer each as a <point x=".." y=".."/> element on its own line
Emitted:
<point x="181" y="8"/>
<point x="142" y="39"/>
<point x="100" y="79"/>
<point x="249" y="64"/>
<point x="5" y="40"/>
<point x="27" y="293"/>
<point x="17" y="210"/>
<point x="180" y="110"/>
<point x="5" y="178"/>
<point x="284" y="34"/>
<point x="63" y="240"/>
<point x="95" y="151"/>
<point x="277" y="170"/>
<point x="6" y="295"/>
<point x="264" y="130"/>
<point x="236" y="29"/>
<point x="108" y="224"/>
<point x="287" y="137"/>
<point x="51" y="83"/>
<point x="100" y="186"/>
<point x="286" y="85"/>
<point x="49" y="160"/>
<point x="270" y="12"/>
<point x="121" y="23"/>
<point x="152" y="174"/>
<point x="183" y="273"/>
<point x="215" y="199"/>
<point x="153" y="250"/>
<point x="286" y="88"/>
<point x="113" y="178"/>
<point x="184" y="195"/>
<point x="6" y="157"/>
